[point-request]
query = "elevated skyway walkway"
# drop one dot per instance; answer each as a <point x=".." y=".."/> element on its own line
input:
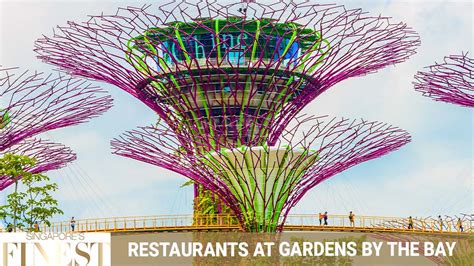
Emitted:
<point x="296" y="222"/>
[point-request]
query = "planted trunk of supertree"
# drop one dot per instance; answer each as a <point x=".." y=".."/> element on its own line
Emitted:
<point x="208" y="209"/>
<point x="262" y="183"/>
<point x="33" y="103"/>
<point x="261" y="178"/>
<point x="451" y="81"/>
<point x="227" y="76"/>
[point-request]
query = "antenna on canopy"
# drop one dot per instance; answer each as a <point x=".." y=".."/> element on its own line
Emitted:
<point x="243" y="8"/>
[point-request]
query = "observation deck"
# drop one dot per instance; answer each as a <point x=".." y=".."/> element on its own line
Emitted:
<point x="234" y="42"/>
<point x="252" y="55"/>
<point x="223" y="71"/>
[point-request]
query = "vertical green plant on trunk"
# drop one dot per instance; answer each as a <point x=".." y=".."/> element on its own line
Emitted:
<point x="4" y="118"/>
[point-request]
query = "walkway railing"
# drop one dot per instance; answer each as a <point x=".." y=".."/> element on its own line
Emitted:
<point x="146" y="223"/>
<point x="380" y="223"/>
<point x="228" y="222"/>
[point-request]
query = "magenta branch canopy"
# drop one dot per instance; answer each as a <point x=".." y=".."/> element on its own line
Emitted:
<point x="179" y="57"/>
<point x="450" y="81"/>
<point x="228" y="82"/>
<point x="34" y="103"/>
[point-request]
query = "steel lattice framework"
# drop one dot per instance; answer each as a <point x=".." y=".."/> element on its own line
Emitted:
<point x="183" y="59"/>
<point x="311" y="151"/>
<point x="451" y="81"/>
<point x="33" y="103"/>
<point x="230" y="79"/>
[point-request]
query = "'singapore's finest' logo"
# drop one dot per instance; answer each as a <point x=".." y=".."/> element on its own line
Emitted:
<point x="38" y="249"/>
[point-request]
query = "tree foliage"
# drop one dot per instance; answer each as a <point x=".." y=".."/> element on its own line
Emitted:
<point x="30" y="202"/>
<point x="12" y="166"/>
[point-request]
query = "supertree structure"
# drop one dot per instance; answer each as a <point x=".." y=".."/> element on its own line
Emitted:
<point x="451" y="81"/>
<point x="33" y="103"/>
<point x="228" y="76"/>
<point x="48" y="156"/>
<point x="262" y="183"/>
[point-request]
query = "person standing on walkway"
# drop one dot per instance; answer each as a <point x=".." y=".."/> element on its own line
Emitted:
<point x="459" y="225"/>
<point x="36" y="227"/>
<point x="321" y="217"/>
<point x="410" y="223"/>
<point x="325" y="218"/>
<point x="73" y="223"/>
<point x="441" y="225"/>
<point x="351" y="218"/>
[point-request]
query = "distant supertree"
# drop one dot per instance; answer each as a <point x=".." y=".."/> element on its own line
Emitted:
<point x="262" y="183"/>
<point x="48" y="156"/>
<point x="451" y="81"/>
<point x="33" y="103"/>
<point x="228" y="76"/>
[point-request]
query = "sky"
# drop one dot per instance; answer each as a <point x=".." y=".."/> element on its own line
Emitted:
<point x="431" y="175"/>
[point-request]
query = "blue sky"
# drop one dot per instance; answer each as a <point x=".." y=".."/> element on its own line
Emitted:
<point x="432" y="175"/>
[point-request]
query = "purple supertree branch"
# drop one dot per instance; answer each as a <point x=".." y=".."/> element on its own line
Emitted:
<point x="36" y="103"/>
<point x="159" y="146"/>
<point x="146" y="142"/>
<point x="450" y="81"/>
<point x="343" y="143"/>
<point x="48" y="156"/>
<point x="339" y="144"/>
